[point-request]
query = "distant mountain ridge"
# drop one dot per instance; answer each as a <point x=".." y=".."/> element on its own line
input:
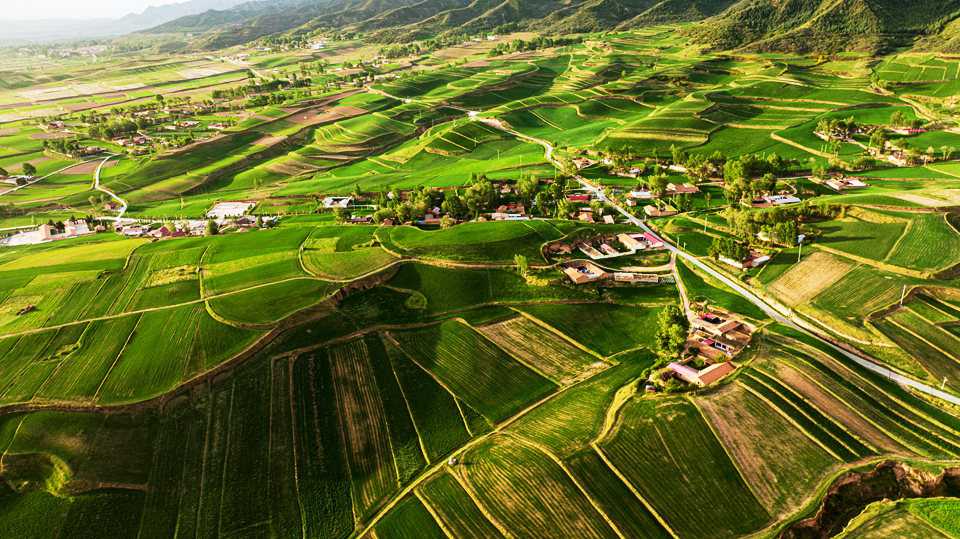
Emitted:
<point x="748" y="25"/>
<point x="49" y="30"/>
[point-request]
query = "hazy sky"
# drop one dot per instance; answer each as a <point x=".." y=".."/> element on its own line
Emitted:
<point x="74" y="9"/>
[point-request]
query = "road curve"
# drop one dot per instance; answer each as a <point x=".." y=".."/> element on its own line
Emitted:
<point x="96" y="185"/>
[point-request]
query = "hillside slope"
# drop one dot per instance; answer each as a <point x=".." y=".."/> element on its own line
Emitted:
<point x="801" y="25"/>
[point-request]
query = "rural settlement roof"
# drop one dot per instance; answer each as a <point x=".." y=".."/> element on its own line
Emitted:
<point x="715" y="372"/>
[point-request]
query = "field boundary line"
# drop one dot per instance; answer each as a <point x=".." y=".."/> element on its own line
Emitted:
<point x="293" y="439"/>
<point x="504" y="350"/>
<point x="468" y="488"/>
<point x="612" y="415"/>
<point x="457" y="401"/>
<point x="553" y="330"/>
<point x="117" y="359"/>
<point x="906" y="230"/>
<point x="547" y="453"/>
<point x="226" y="454"/>
<point x="12" y="439"/>
<point x="886" y="432"/>
<point x="787" y="389"/>
<point x="790" y="420"/>
<point x="433" y="513"/>
<point x="406" y="403"/>
<point x="633" y="489"/>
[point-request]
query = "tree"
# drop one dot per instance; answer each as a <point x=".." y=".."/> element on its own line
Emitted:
<point x="93" y="201"/>
<point x="523" y="266"/>
<point x="212" y="228"/>
<point x="528" y="187"/>
<point x="259" y="222"/>
<point x="171" y="228"/>
<point x="404" y="213"/>
<point x="658" y="183"/>
<point x="29" y="169"/>
<point x="3" y="172"/>
<point x="384" y="213"/>
<point x="672" y="328"/>
<point x="357" y="192"/>
<point x="446" y="221"/>
<point x="341" y="215"/>
<point x="565" y="207"/>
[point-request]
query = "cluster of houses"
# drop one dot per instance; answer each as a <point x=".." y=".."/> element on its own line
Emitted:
<point x="672" y="189"/>
<point x="842" y="184"/>
<point x="768" y="201"/>
<point x="46" y="233"/>
<point x="631" y="243"/>
<point x="754" y="260"/>
<point x="716" y="337"/>
<point x="583" y="272"/>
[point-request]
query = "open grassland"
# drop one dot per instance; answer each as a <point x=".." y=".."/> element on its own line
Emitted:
<point x="448" y="290"/>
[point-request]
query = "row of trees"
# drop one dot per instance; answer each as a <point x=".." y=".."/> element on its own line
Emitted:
<point x="63" y="145"/>
<point x="536" y="43"/>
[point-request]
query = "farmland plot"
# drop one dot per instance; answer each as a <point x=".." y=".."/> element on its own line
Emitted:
<point x="548" y="353"/>
<point x="322" y="475"/>
<point x="409" y="519"/>
<point x="696" y="462"/>
<point x="805" y="280"/>
<point x="782" y="465"/>
<point x="604" y="328"/>
<point x="574" y="418"/>
<point x="485" y="377"/>
<point x="365" y="429"/>
<point x="455" y="509"/>
<point x="530" y="494"/>
<point x="626" y="511"/>
<point x="435" y="413"/>
<point x="929" y="244"/>
<point x="82" y="373"/>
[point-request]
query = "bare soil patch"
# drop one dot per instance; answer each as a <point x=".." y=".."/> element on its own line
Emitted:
<point x="42" y="136"/>
<point x="90" y="167"/>
<point x="269" y="141"/>
<point x="836" y="409"/>
<point x="805" y="280"/>
<point x="18" y="166"/>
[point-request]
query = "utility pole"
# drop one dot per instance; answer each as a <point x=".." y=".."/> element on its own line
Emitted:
<point x="903" y="295"/>
<point x="799" y="252"/>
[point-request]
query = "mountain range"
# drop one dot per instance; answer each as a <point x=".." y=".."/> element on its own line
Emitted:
<point x="749" y="25"/>
<point x="781" y="25"/>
